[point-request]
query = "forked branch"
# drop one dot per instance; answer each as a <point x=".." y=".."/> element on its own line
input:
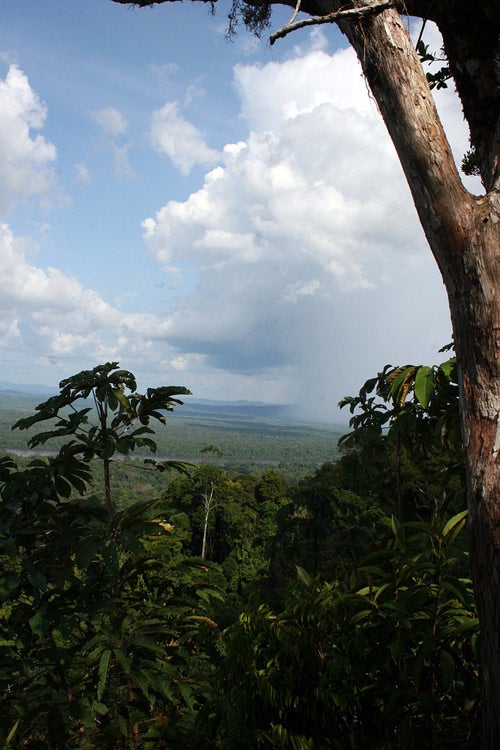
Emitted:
<point x="338" y="15"/>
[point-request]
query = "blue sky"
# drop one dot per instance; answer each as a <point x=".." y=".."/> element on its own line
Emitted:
<point x="226" y="216"/>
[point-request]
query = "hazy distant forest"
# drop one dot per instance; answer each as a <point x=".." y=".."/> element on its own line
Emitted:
<point x="318" y="600"/>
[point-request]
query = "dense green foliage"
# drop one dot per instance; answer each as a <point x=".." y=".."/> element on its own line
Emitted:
<point x="249" y="442"/>
<point x="235" y="610"/>
<point x="387" y="665"/>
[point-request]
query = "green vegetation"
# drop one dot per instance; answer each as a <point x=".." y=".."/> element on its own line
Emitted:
<point x="237" y="610"/>
<point x="249" y="443"/>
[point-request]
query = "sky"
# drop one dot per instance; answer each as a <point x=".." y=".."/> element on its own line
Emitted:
<point x="226" y="216"/>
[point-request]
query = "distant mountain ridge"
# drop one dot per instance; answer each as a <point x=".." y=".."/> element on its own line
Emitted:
<point x="192" y="407"/>
<point x="247" y="409"/>
<point x="203" y="405"/>
<point x="27" y="389"/>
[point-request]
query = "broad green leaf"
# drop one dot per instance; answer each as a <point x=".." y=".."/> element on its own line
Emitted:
<point x="124" y="661"/>
<point x="449" y="369"/>
<point x="103" y="672"/>
<point x="141" y="680"/>
<point x="360" y="616"/>
<point x="373" y="570"/>
<point x="401" y="381"/>
<point x="7" y="585"/>
<point x="398" y="530"/>
<point x="380" y="591"/>
<point x="303" y="575"/>
<point x="425" y="384"/>
<point x="453" y="522"/>
<point x="463" y="626"/>
<point x="365" y="591"/>
<point x="38" y="623"/>
<point x="188" y="694"/>
<point x="447" y="667"/>
<point x="11" y="734"/>
<point x="99" y="708"/>
<point x="458" y="590"/>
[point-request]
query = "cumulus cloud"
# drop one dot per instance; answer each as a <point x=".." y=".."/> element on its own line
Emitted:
<point x="114" y="126"/>
<point x="47" y="317"/>
<point x="50" y="318"/>
<point x="111" y="121"/>
<point x="304" y="239"/>
<point x="182" y="142"/>
<point x="309" y="261"/>
<point x="26" y="159"/>
<point x="83" y="175"/>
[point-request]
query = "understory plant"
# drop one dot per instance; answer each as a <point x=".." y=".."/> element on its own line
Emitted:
<point x="390" y="665"/>
<point x="103" y="625"/>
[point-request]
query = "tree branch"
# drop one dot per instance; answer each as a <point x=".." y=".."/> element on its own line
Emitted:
<point x="149" y="3"/>
<point x="339" y="15"/>
<point x="295" y="12"/>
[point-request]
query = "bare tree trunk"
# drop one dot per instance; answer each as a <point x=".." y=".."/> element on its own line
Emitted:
<point x="208" y="498"/>
<point x="476" y="323"/>
<point x="464" y="234"/>
<point x="107" y="488"/>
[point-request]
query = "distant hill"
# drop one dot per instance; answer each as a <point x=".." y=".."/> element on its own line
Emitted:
<point x="258" y="410"/>
<point x="200" y="406"/>
<point x="252" y="436"/>
<point x="16" y="389"/>
<point x="193" y="407"/>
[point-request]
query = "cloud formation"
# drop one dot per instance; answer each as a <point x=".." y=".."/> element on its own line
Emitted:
<point x="111" y="121"/>
<point x="47" y="317"/>
<point x="300" y="256"/>
<point x="26" y="160"/>
<point x="83" y="175"/>
<point x="51" y="313"/>
<point x="182" y="142"/>
<point x="114" y="127"/>
<point x="304" y="239"/>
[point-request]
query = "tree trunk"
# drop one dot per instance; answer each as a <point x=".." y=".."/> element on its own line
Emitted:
<point x="476" y="324"/>
<point x="107" y="488"/>
<point x="464" y="234"/>
<point x="208" y="497"/>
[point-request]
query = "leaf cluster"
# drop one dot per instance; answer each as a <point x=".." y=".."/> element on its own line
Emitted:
<point x="408" y="417"/>
<point x="122" y="419"/>
<point x="393" y="664"/>
<point x="101" y="618"/>
<point x="99" y="632"/>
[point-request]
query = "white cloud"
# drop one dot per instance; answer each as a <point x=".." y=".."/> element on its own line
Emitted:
<point x="297" y="289"/>
<point x="309" y="261"/>
<point x="114" y="127"/>
<point x="322" y="187"/>
<point x="174" y="136"/>
<point x="194" y="91"/>
<point x="50" y="318"/>
<point x="121" y="161"/>
<point x="164" y="71"/>
<point x="111" y="121"/>
<point x="275" y="93"/>
<point x="25" y="160"/>
<point x="305" y="241"/>
<point x="83" y="174"/>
